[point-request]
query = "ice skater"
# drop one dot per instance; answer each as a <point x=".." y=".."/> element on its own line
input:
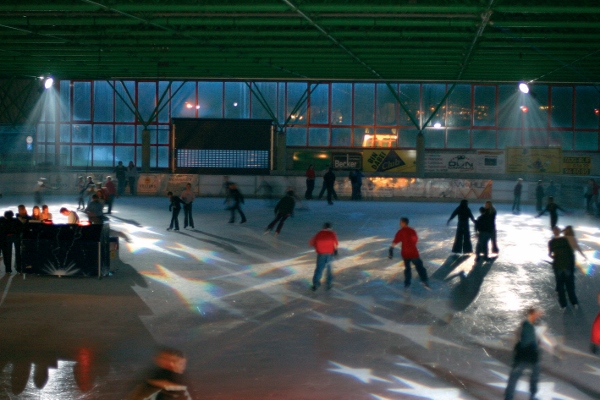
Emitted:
<point x="485" y="228"/>
<point x="569" y="233"/>
<point x="175" y="208"/>
<point x="111" y="193"/>
<point x="518" y="189"/>
<point x="310" y="182"/>
<point x="283" y="210"/>
<point x="325" y="243"/>
<point x="539" y="196"/>
<point x="410" y="254"/>
<point x="356" y="177"/>
<point x="462" y="240"/>
<point x="552" y="209"/>
<point x="234" y="194"/>
<point x="329" y="181"/>
<point x="187" y="198"/>
<point x="595" y="338"/>
<point x="10" y="237"/>
<point x="489" y="207"/>
<point x="563" y="264"/>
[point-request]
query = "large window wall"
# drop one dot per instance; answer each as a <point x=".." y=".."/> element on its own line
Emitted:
<point x="97" y="128"/>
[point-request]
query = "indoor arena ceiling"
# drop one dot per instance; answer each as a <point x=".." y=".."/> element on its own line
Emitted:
<point x="393" y="40"/>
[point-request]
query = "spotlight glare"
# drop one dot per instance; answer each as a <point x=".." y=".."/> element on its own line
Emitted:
<point x="523" y="87"/>
<point x="437" y="125"/>
<point x="48" y="83"/>
<point x="524" y="109"/>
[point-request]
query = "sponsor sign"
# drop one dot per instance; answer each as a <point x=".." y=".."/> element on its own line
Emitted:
<point x="346" y="161"/>
<point x="149" y="183"/>
<point x="535" y="160"/>
<point x="481" y="162"/>
<point x="390" y="161"/>
<point x="577" y="165"/>
<point x="177" y="182"/>
<point x="428" y="188"/>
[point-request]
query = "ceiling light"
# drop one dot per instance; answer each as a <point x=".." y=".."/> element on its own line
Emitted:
<point x="235" y="104"/>
<point x="524" y="109"/>
<point x="523" y="87"/>
<point x="48" y="83"/>
<point x="437" y="125"/>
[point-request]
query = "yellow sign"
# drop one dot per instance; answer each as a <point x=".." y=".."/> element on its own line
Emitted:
<point x="577" y="165"/>
<point x="536" y="160"/>
<point x="390" y="160"/>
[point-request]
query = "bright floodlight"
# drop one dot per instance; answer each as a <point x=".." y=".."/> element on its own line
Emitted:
<point x="48" y="83"/>
<point x="523" y="87"/>
<point x="437" y="125"/>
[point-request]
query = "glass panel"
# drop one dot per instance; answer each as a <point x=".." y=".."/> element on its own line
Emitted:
<point x="364" y="104"/>
<point x="341" y="137"/>
<point x="125" y="134"/>
<point x="319" y="105"/>
<point x="459" y="139"/>
<point x="138" y="155"/>
<point x="82" y="96"/>
<point x="82" y="156"/>
<point x="65" y="155"/>
<point x="364" y="137"/>
<point x="124" y="153"/>
<point x="210" y="99"/>
<point x="103" y="156"/>
<point x="432" y="96"/>
<point x="163" y="115"/>
<point x="386" y="105"/>
<point x="269" y="94"/>
<point x="122" y="112"/>
<point x="146" y="99"/>
<point x="508" y="139"/>
<point x="295" y="137"/>
<point x="563" y="139"/>
<point x="341" y="103"/>
<point x="410" y="95"/>
<point x="40" y="133"/>
<point x="50" y="133"/>
<point x="386" y="138"/>
<point x="484" y="139"/>
<point x="103" y="134"/>
<point x="459" y="107"/>
<point x="318" y="137"/>
<point x="562" y="107"/>
<point x="65" y="133"/>
<point x="103" y="102"/>
<point x="237" y="100"/>
<point x="586" y="140"/>
<point x="163" y="157"/>
<point x="408" y="138"/>
<point x="153" y="134"/>
<point x="536" y="102"/>
<point x="435" y="138"/>
<point x="484" y="107"/>
<point x="153" y="157"/>
<point x="65" y="100"/>
<point x="183" y="104"/>
<point x="587" y="107"/>
<point x="295" y="92"/>
<point x="82" y="134"/>
<point x="535" y="138"/>
<point x="509" y="103"/>
<point x="163" y="135"/>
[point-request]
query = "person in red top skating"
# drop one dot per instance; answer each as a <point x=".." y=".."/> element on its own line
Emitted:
<point x="325" y="243"/>
<point x="596" y="331"/>
<point x="408" y="237"/>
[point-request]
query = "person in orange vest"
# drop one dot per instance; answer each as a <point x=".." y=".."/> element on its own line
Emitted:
<point x="325" y="243"/>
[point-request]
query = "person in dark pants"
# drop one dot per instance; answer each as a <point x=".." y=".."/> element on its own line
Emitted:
<point x="462" y="240"/>
<point x="187" y="198"/>
<point x="489" y="208"/>
<point x="283" y="210"/>
<point x="539" y="196"/>
<point x="175" y="208"/>
<point x="323" y="187"/>
<point x="355" y="177"/>
<point x="238" y="199"/>
<point x="310" y="182"/>
<point x="132" y="177"/>
<point x="552" y="209"/>
<point x="111" y="193"/>
<point x="485" y="228"/>
<point x="517" y="196"/>
<point x="10" y="236"/>
<point x="121" y="174"/>
<point x="94" y="210"/>
<point x="325" y="243"/>
<point x="563" y="264"/>
<point x="329" y="181"/>
<point x="408" y="237"/>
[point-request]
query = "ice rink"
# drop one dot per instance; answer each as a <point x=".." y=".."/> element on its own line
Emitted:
<point x="239" y="304"/>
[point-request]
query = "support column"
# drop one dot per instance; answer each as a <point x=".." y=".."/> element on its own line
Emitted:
<point x="420" y="155"/>
<point x="146" y="150"/>
<point x="280" y="166"/>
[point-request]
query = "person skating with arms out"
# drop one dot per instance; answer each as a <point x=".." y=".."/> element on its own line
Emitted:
<point x="410" y="254"/>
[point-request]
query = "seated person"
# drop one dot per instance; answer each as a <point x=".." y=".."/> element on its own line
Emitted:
<point x="72" y="217"/>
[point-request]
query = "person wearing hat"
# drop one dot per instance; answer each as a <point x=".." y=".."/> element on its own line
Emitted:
<point x="539" y="196"/>
<point x="517" y="196"/>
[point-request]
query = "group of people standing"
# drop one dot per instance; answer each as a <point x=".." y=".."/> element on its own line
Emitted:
<point x="355" y="176"/>
<point x="485" y="226"/>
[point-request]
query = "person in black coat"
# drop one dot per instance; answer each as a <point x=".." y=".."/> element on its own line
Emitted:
<point x="552" y="209"/>
<point x="539" y="196"/>
<point x="517" y="196"/>
<point x="283" y="210"/>
<point x="238" y="199"/>
<point x="329" y="181"/>
<point x="490" y="209"/>
<point x="462" y="240"/>
<point x="175" y="208"/>
<point x="485" y="228"/>
<point x="10" y="236"/>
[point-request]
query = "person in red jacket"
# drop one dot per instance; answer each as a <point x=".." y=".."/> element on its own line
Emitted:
<point x="325" y="243"/>
<point x="596" y="331"/>
<point x="408" y="237"/>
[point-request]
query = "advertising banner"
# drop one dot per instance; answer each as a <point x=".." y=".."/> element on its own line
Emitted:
<point x="390" y="160"/>
<point x="177" y="182"/>
<point x="492" y="162"/>
<point x="535" y="160"/>
<point x="428" y="188"/>
<point x="302" y="159"/>
<point x="577" y="165"/>
<point x="346" y="161"/>
<point x="149" y="184"/>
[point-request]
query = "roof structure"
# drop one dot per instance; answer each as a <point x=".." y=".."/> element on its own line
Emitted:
<point x="391" y="40"/>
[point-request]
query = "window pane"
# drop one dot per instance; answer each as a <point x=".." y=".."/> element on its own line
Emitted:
<point x="364" y="104"/>
<point x="295" y="92"/>
<point x="163" y="157"/>
<point x="163" y="115"/>
<point x="124" y="134"/>
<point x="124" y="153"/>
<point x="40" y="133"/>
<point x="410" y="95"/>
<point x="103" y="102"/>
<point x="586" y="141"/>
<point x="146" y="99"/>
<point x="432" y="96"/>
<point x="103" y="134"/>
<point x="237" y="100"/>
<point x="65" y="100"/>
<point x="459" y="139"/>
<point x="318" y="137"/>
<point x="386" y="138"/>
<point x="319" y="105"/>
<point x="341" y="137"/>
<point x="484" y="107"/>
<point x="295" y="137"/>
<point x="153" y="157"/>
<point x="65" y="155"/>
<point x="386" y="105"/>
<point x="103" y="156"/>
<point x="587" y="102"/>
<point x="536" y="102"/>
<point x="508" y="139"/>
<point x="408" y="138"/>
<point x="562" y="107"/>
<point x="459" y="106"/>
<point x="65" y="133"/>
<point x="50" y="133"/>
<point x="535" y="138"/>
<point x="341" y="103"/>
<point x="82" y="134"/>
<point x="183" y="104"/>
<point x="509" y="103"/>
<point x="435" y="138"/>
<point x="153" y="135"/>
<point x="82" y="101"/>
<point x="563" y="139"/>
<point x="269" y="94"/>
<point x="364" y="137"/>
<point x="122" y="111"/>
<point x="163" y="135"/>
<point x="81" y="156"/>
<point x="484" y="139"/>
<point x="210" y="99"/>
